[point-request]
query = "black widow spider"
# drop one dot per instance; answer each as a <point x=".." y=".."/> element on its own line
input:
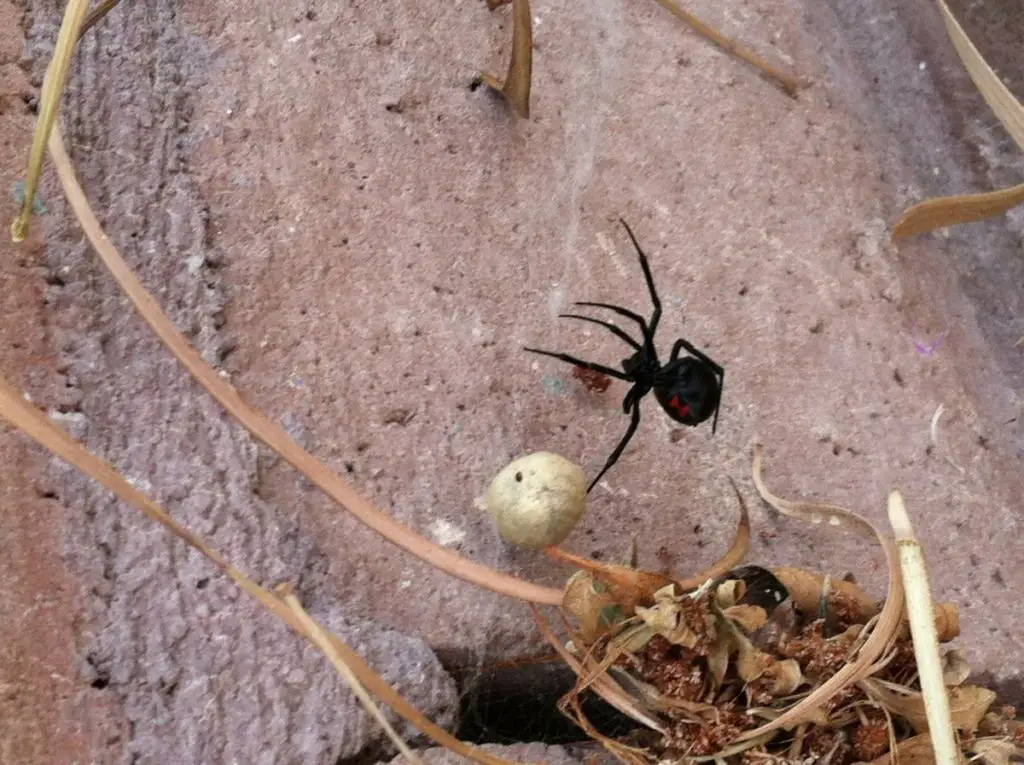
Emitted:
<point x="689" y="389"/>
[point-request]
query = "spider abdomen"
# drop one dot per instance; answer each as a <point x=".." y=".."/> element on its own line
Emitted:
<point x="688" y="391"/>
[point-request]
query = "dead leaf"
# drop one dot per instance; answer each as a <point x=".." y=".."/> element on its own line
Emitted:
<point x="593" y="609"/>
<point x="782" y="678"/>
<point x="967" y="704"/>
<point x="729" y="593"/>
<point x="750" y="618"/>
<point x="912" y="751"/>
<point x="995" y="751"/>
<point x="751" y="663"/>
<point x="516" y="88"/>
<point x="665" y="618"/>
<point x="955" y="669"/>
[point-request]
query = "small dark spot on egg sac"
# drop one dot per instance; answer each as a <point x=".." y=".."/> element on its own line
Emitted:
<point x="519" y="476"/>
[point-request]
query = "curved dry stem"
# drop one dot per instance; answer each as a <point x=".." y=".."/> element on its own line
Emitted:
<point x="888" y="620"/>
<point x="270" y="433"/>
<point x="735" y="554"/>
<point x="952" y="211"/>
<point x="516" y="88"/>
<point x="37" y="426"/>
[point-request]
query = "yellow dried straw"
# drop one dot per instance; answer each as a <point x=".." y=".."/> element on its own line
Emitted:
<point x="49" y="107"/>
<point x="921" y="614"/>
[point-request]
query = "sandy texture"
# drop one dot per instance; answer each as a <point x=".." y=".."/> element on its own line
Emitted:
<point x="364" y="242"/>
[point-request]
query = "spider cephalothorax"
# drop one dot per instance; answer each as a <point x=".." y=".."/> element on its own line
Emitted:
<point x="688" y="389"/>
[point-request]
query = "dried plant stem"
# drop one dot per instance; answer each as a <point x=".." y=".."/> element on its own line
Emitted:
<point x="36" y="425"/>
<point x="49" y="108"/>
<point x="921" y="613"/>
<point x="790" y="85"/>
<point x="272" y="434"/>
<point x="733" y="556"/>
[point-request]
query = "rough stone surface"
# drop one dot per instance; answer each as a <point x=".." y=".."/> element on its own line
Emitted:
<point x="37" y="615"/>
<point x="177" y="661"/>
<point x="364" y="243"/>
<point x="530" y="752"/>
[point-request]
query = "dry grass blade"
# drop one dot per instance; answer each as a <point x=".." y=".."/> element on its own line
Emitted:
<point x="921" y="612"/>
<point x="53" y="89"/>
<point x="516" y="88"/>
<point x="733" y="556"/>
<point x="319" y="638"/>
<point x="270" y="433"/>
<point x="37" y="426"/>
<point x="1006" y="107"/>
<point x="951" y="211"/>
<point x="888" y="620"/>
<point x="789" y="84"/>
<point x="947" y="211"/>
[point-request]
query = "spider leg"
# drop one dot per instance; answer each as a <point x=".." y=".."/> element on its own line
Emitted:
<point x="633" y="423"/>
<point x="644" y="329"/>
<point x="585" y="364"/>
<point x="691" y="348"/>
<point x="607" y="325"/>
<point x="656" y="316"/>
<point x="721" y="387"/>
